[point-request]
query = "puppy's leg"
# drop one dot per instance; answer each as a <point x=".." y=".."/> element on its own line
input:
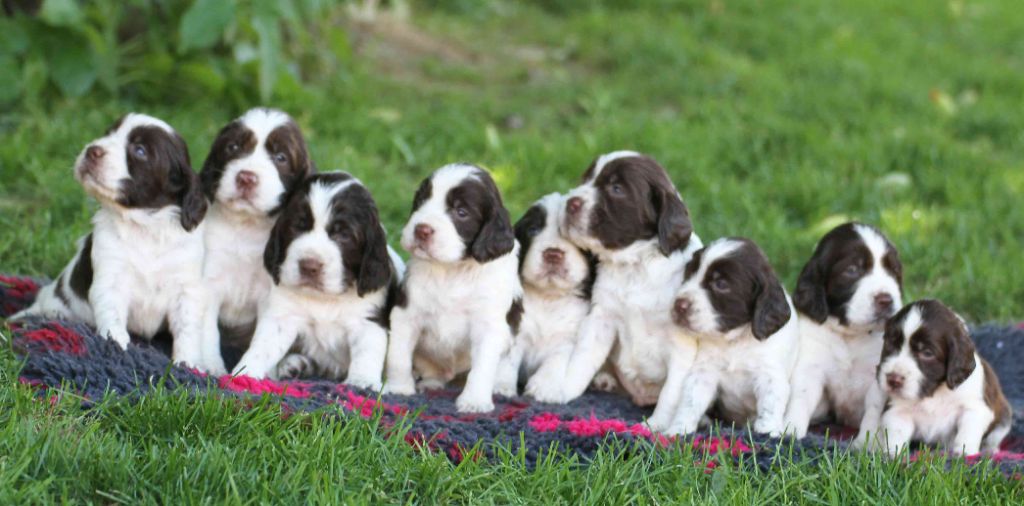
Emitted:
<point x="806" y="393"/>
<point x="874" y="403"/>
<point x="771" y="389"/>
<point x="896" y="431"/>
<point x="488" y="342"/>
<point x="992" y="441"/>
<point x="671" y="395"/>
<point x="405" y="332"/>
<point x="187" y="320"/>
<point x="595" y="340"/>
<point x="110" y="307"/>
<point x="971" y="428"/>
<point x="543" y="385"/>
<point x="698" y="392"/>
<point x="508" y="372"/>
<point x="294" y="366"/>
<point x="211" y="338"/>
<point x="274" y="336"/>
<point x="369" y="347"/>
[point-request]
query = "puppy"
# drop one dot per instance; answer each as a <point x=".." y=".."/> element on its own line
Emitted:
<point x="747" y="336"/>
<point x="139" y="271"/>
<point x="628" y="213"/>
<point x="254" y="162"/>
<point x="936" y="389"/>
<point x="851" y="285"/>
<point x="329" y="260"/>
<point x="461" y="301"/>
<point x="557" y="280"/>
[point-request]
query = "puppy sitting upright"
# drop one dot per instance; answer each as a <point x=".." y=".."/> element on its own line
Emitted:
<point x="254" y="162"/>
<point x="557" y="279"/>
<point x="140" y="269"/>
<point x="747" y="338"/>
<point x="851" y="285"/>
<point x="461" y="301"/>
<point x="329" y="260"/>
<point x="936" y="389"/>
<point x="630" y="215"/>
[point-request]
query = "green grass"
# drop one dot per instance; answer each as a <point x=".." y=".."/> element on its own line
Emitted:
<point x="775" y="121"/>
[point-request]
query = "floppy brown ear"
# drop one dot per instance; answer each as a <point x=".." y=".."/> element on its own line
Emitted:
<point x="771" y="311"/>
<point x="495" y="238"/>
<point x="273" y="254"/>
<point x="375" y="266"/>
<point x="809" y="297"/>
<point x="960" y="361"/>
<point x="674" y="226"/>
<point x="191" y="199"/>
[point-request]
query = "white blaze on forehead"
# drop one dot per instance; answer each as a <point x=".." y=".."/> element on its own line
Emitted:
<point x="607" y="158"/>
<point x="134" y="120"/>
<point x="263" y="121"/>
<point x="450" y="176"/>
<point x="873" y="240"/>
<point x="320" y="197"/>
<point x="911" y="323"/>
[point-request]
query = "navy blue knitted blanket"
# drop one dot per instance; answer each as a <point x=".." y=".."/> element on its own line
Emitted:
<point x="60" y="353"/>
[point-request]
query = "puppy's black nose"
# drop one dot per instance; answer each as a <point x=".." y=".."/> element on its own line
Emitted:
<point x="574" y="205"/>
<point x="310" y="268"/>
<point x="895" y="381"/>
<point x="423" y="232"/>
<point x="681" y="310"/>
<point x="246" y="180"/>
<point x="553" y="256"/>
<point x="94" y="153"/>
<point x="883" y="303"/>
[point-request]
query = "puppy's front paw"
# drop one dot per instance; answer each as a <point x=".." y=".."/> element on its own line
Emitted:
<point x="367" y="383"/>
<point x="545" y="392"/>
<point x="399" y="388"/>
<point x="506" y="389"/>
<point x="605" y="382"/>
<point x="294" y="366"/>
<point x="657" y="423"/>
<point x="770" y="427"/>
<point x="427" y="384"/>
<point x="119" y="336"/>
<point x="474" y="404"/>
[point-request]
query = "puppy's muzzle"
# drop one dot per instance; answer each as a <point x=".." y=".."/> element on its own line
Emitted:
<point x="310" y="270"/>
<point x="423" y="233"/>
<point x="682" y="311"/>
<point x="553" y="257"/>
<point x="246" y="181"/>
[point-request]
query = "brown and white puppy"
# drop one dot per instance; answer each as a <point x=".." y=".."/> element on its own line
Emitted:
<point x="139" y="271"/>
<point x="936" y="388"/>
<point x="747" y="338"/>
<point x="851" y="285"/>
<point x="332" y="272"/>
<point x="629" y="215"/>
<point x="461" y="300"/>
<point x="557" y="280"/>
<point x="254" y="162"/>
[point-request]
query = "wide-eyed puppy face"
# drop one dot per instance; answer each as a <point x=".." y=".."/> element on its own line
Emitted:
<point x="457" y="214"/>
<point x="547" y="261"/>
<point x="626" y="198"/>
<point x="255" y="161"/>
<point x="329" y="239"/>
<point x="855" y="275"/>
<point x="926" y="345"/>
<point x="142" y="163"/>
<point x="731" y="289"/>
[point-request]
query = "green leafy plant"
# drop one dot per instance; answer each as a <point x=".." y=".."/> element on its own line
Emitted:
<point x="171" y="48"/>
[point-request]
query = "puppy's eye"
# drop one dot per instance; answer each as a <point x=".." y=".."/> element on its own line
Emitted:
<point x="720" y="285"/>
<point x="232" y="148"/>
<point x="139" y="151"/>
<point x="462" y="212"/>
<point x="852" y="271"/>
<point x="304" y="222"/>
<point x="280" y="158"/>
<point x="617" y="189"/>
<point x="339" y="232"/>
<point x="926" y="353"/>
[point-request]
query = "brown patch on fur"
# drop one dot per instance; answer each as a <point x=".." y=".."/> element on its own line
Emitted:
<point x="995" y="399"/>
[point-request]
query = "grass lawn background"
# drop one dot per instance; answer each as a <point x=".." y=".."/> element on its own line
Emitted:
<point x="776" y="122"/>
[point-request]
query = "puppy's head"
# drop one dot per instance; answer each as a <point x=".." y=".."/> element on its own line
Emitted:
<point x="926" y="345"/>
<point x="142" y="163"/>
<point x="547" y="261"/>
<point x="854" y="275"/>
<point x="329" y="239"/>
<point x="255" y="161"/>
<point x="730" y="289"/>
<point x="457" y="214"/>
<point x="626" y="198"/>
